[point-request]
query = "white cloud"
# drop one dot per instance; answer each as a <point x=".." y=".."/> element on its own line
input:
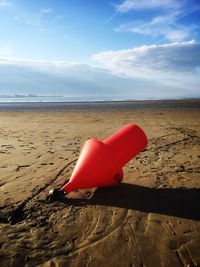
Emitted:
<point x="46" y="10"/>
<point x="163" y="26"/>
<point x="41" y="19"/>
<point x="176" y="34"/>
<point x="180" y="56"/>
<point x="128" y="5"/>
<point x="67" y="36"/>
<point x="174" y="64"/>
<point x="6" y="50"/>
<point x="166" y="25"/>
<point x="5" y="4"/>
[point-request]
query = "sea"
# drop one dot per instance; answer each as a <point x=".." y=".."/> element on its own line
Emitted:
<point x="58" y="103"/>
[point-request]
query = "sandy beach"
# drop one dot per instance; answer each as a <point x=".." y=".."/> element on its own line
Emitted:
<point x="152" y="219"/>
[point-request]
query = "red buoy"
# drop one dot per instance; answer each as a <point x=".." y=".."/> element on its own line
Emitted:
<point x="100" y="163"/>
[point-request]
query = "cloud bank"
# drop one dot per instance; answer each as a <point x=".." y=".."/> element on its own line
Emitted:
<point x="184" y="56"/>
<point x="144" y="72"/>
<point x="74" y="80"/>
<point x="176" y="65"/>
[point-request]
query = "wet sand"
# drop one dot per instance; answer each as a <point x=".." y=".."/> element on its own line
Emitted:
<point x="151" y="219"/>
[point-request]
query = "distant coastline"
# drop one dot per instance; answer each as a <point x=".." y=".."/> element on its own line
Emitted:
<point x="83" y="98"/>
<point x="30" y="98"/>
<point x="182" y="104"/>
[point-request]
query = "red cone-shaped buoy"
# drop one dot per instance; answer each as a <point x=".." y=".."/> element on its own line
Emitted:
<point x="100" y="163"/>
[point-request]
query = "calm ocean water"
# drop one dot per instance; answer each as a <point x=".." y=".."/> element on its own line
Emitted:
<point x="57" y="104"/>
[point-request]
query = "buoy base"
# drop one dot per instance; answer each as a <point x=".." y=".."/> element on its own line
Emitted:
<point x="55" y="194"/>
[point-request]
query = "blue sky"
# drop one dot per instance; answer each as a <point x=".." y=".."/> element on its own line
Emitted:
<point x="121" y="48"/>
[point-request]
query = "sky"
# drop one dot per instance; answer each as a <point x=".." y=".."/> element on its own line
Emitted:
<point x="100" y="49"/>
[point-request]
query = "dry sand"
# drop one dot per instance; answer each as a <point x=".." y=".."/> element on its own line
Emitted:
<point x="151" y="219"/>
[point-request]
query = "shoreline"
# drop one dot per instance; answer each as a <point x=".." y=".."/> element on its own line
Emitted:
<point x="102" y="105"/>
